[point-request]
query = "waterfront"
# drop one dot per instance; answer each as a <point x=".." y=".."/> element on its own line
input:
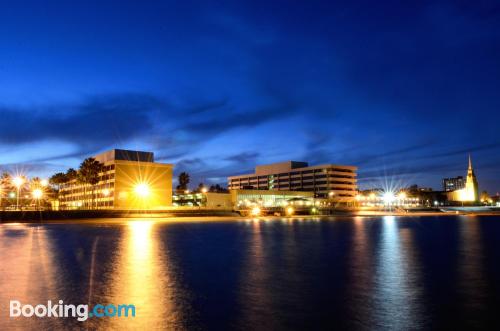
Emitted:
<point x="291" y="273"/>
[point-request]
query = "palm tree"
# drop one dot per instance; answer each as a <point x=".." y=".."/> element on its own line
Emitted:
<point x="183" y="181"/>
<point x="5" y="185"/>
<point x="71" y="174"/>
<point x="88" y="174"/>
<point x="58" y="179"/>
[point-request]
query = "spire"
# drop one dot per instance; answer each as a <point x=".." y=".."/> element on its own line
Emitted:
<point x="470" y="163"/>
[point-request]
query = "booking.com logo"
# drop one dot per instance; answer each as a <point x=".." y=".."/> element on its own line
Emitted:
<point x="80" y="312"/>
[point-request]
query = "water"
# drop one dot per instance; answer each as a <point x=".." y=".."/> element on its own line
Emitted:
<point x="385" y="273"/>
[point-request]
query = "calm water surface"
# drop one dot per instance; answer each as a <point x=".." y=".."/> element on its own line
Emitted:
<point x="385" y="273"/>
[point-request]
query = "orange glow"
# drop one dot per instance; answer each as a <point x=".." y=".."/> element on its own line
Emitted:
<point x="142" y="190"/>
<point x="256" y="211"/>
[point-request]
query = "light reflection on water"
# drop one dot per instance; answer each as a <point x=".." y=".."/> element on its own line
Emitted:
<point x="356" y="273"/>
<point x="396" y="285"/>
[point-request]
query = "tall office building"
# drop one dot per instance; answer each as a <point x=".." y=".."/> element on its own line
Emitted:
<point x="337" y="182"/>
<point x="129" y="180"/>
<point x="454" y="183"/>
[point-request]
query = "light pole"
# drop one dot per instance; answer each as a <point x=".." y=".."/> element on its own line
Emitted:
<point x="18" y="182"/>
<point x="37" y="194"/>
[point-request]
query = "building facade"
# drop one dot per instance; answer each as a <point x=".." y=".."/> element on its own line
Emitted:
<point x="130" y="180"/>
<point x="470" y="193"/>
<point x="244" y="199"/>
<point x="336" y="182"/>
<point x="453" y="184"/>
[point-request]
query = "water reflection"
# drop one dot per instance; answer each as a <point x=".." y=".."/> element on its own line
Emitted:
<point x="361" y="270"/>
<point x="361" y="273"/>
<point x="398" y="295"/>
<point x="255" y="297"/>
<point x="142" y="278"/>
<point x="473" y="284"/>
<point x="28" y="267"/>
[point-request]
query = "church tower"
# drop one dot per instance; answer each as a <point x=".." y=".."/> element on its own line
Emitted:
<point x="471" y="187"/>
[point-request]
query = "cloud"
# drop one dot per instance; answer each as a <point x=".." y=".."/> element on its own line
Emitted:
<point x="95" y="122"/>
<point x="244" y="157"/>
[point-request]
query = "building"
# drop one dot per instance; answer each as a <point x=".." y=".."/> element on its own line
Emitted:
<point x="337" y="182"/>
<point x="130" y="180"/>
<point x="470" y="193"/>
<point x="208" y="200"/>
<point x="453" y="184"/>
<point x="245" y="199"/>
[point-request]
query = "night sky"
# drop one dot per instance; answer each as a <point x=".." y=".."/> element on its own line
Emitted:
<point x="403" y="90"/>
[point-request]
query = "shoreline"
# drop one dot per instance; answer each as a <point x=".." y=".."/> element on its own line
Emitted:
<point x="72" y="217"/>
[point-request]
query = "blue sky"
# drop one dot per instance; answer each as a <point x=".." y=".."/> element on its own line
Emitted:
<point x="404" y="90"/>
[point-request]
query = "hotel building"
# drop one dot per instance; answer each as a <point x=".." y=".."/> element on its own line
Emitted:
<point x="336" y="182"/>
<point x="130" y="180"/>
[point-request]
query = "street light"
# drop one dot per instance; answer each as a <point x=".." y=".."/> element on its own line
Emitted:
<point x="142" y="190"/>
<point x="18" y="182"/>
<point x="44" y="183"/>
<point x="37" y="195"/>
<point x="204" y="190"/>
<point x="256" y="211"/>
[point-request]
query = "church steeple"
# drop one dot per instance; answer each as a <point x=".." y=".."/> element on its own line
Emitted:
<point x="471" y="187"/>
<point x="470" y="171"/>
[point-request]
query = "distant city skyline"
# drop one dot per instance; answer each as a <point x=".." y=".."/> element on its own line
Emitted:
<point x="403" y="91"/>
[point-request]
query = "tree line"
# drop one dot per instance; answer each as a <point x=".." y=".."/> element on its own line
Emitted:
<point x="87" y="175"/>
<point x="184" y="180"/>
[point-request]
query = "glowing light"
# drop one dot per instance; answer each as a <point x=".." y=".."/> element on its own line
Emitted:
<point x="331" y="194"/>
<point x="186" y="191"/>
<point x="256" y="211"/>
<point x="359" y="197"/>
<point x="142" y="190"/>
<point x="314" y="210"/>
<point x="372" y="196"/>
<point x="402" y="196"/>
<point x="388" y="197"/>
<point x="12" y="195"/>
<point x="18" y="181"/>
<point x="44" y="182"/>
<point x="37" y="193"/>
<point x="105" y="192"/>
<point x="204" y="190"/>
<point x="290" y="211"/>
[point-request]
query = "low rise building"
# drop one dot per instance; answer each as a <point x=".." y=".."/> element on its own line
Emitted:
<point x="244" y="199"/>
<point x="129" y="180"/>
<point x="335" y="182"/>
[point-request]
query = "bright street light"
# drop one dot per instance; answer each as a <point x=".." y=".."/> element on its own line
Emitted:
<point x="142" y="190"/>
<point x="18" y="182"/>
<point x="204" y="190"/>
<point x="44" y="182"/>
<point x="37" y="193"/>
<point x="388" y="198"/>
<point x="255" y="211"/>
